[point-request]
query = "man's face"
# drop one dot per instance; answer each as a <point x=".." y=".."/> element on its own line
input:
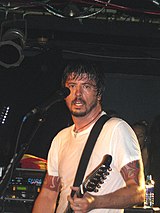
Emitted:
<point x="83" y="97"/>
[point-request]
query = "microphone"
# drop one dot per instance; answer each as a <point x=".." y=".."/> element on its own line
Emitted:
<point x="58" y="96"/>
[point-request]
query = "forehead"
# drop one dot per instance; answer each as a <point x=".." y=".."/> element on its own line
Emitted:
<point x="80" y="77"/>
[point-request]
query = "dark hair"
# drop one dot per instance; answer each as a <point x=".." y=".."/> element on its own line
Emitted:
<point x="143" y="124"/>
<point x="85" y="67"/>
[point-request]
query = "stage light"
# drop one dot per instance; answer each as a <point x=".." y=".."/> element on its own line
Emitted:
<point x="11" y="50"/>
<point x="4" y="114"/>
<point x="71" y="10"/>
<point x="12" y="44"/>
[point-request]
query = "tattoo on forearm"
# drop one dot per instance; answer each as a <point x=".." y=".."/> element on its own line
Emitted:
<point x="52" y="183"/>
<point x="131" y="171"/>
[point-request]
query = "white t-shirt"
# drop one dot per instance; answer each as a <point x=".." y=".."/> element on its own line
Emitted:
<point x="116" y="139"/>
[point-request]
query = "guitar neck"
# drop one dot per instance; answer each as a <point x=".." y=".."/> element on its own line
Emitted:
<point x="80" y="191"/>
<point x="96" y="177"/>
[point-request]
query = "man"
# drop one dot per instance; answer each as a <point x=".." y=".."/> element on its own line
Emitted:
<point x="125" y="185"/>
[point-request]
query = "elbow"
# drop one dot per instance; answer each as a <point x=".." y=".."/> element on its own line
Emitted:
<point x="140" y="198"/>
<point x="138" y="195"/>
<point x="142" y="195"/>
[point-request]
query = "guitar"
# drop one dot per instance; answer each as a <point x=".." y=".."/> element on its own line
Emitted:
<point x="94" y="179"/>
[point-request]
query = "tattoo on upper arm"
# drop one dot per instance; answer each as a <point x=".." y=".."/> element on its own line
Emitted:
<point x="52" y="183"/>
<point x="131" y="171"/>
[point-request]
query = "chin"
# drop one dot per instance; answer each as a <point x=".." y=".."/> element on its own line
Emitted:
<point x="78" y="114"/>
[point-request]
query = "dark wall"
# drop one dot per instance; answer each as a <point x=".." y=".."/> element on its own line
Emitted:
<point x="133" y="97"/>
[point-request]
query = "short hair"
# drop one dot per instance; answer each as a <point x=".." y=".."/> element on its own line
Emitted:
<point x="85" y="67"/>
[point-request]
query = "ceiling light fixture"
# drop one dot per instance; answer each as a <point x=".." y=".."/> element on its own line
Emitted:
<point x="12" y="42"/>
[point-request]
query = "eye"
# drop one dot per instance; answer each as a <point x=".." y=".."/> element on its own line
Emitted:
<point x="71" y="86"/>
<point x="87" y="86"/>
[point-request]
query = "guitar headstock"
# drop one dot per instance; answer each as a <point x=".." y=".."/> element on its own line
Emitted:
<point x="99" y="174"/>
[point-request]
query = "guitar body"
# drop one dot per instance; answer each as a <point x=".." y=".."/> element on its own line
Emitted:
<point x="94" y="179"/>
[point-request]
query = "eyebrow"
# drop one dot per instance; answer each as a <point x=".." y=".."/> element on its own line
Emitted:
<point x="85" y="83"/>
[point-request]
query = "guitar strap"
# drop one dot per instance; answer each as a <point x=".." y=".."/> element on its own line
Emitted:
<point x="88" y="150"/>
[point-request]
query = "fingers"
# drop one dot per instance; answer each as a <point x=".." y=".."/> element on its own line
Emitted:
<point x="74" y="188"/>
<point x="75" y="204"/>
<point x="79" y="205"/>
<point x="82" y="205"/>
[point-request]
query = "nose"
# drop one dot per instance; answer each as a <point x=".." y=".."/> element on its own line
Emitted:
<point x="78" y="90"/>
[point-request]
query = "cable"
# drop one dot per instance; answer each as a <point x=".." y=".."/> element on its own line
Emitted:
<point x="111" y="57"/>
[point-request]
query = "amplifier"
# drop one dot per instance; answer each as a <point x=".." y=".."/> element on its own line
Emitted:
<point x="25" y="185"/>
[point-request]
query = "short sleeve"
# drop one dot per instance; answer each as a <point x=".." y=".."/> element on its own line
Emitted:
<point x="125" y="147"/>
<point x="52" y="160"/>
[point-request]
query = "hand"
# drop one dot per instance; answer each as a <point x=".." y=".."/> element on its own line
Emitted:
<point x="81" y="205"/>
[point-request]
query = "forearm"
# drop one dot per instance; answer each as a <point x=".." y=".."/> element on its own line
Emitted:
<point x="47" y="199"/>
<point x="44" y="204"/>
<point x="122" y="198"/>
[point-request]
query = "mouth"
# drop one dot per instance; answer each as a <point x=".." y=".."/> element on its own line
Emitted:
<point x="78" y="103"/>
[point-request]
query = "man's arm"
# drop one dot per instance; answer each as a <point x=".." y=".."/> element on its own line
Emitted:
<point x="47" y="198"/>
<point x="132" y="194"/>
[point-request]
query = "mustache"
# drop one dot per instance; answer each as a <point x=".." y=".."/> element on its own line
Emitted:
<point x="78" y="99"/>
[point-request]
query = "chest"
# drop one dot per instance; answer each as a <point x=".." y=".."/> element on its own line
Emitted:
<point x="70" y="155"/>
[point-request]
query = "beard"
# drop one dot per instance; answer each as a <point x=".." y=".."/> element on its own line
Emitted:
<point x="86" y="111"/>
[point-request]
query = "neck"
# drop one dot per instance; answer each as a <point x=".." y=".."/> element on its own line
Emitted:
<point x="86" y="121"/>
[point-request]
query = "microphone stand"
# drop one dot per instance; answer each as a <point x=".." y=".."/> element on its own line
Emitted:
<point x="17" y="157"/>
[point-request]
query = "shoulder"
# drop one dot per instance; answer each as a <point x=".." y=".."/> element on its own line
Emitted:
<point x="117" y="123"/>
<point x="61" y="137"/>
<point x="113" y="120"/>
<point x="119" y="128"/>
<point x="65" y="131"/>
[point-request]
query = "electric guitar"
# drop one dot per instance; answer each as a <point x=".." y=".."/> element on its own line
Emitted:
<point x="94" y="179"/>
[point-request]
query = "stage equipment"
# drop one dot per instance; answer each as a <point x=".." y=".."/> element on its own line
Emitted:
<point x="13" y="36"/>
<point x="22" y="190"/>
<point x="25" y="185"/>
